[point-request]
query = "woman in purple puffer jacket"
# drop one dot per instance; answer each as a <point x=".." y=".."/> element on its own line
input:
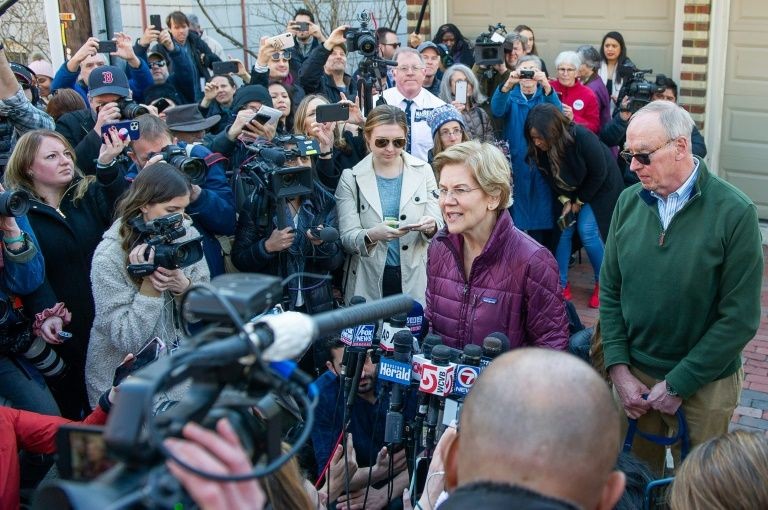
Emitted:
<point x="483" y="274"/>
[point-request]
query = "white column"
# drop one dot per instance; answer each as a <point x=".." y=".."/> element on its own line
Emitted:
<point x="54" y="33"/>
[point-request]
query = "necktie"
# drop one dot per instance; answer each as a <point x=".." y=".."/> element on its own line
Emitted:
<point x="408" y="104"/>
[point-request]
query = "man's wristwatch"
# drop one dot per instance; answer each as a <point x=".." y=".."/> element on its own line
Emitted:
<point x="670" y="391"/>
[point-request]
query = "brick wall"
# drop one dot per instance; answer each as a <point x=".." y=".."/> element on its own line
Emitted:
<point x="695" y="57"/>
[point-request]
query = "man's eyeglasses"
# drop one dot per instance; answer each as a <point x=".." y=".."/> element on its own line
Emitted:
<point x="644" y="158"/>
<point x="393" y="44"/>
<point x="381" y="143"/>
<point x="457" y="193"/>
<point x="159" y="63"/>
<point x="413" y="69"/>
<point x="284" y="55"/>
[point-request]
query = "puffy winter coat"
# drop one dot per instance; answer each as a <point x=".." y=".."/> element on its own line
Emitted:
<point x="512" y="288"/>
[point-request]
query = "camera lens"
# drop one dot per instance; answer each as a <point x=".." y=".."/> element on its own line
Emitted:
<point x="194" y="168"/>
<point x="132" y="109"/>
<point x="45" y="358"/>
<point x="14" y="203"/>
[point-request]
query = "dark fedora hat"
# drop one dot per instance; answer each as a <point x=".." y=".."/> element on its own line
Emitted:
<point x="188" y="118"/>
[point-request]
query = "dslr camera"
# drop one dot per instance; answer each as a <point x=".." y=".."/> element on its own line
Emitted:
<point x="639" y="90"/>
<point x="160" y="234"/>
<point x="362" y="38"/>
<point x="489" y="46"/>
<point x="130" y="109"/>
<point x="194" y="168"/>
<point x="14" y="203"/>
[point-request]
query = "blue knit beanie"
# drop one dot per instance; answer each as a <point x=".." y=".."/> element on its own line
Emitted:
<point x="442" y="114"/>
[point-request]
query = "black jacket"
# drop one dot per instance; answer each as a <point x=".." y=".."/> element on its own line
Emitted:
<point x="68" y="237"/>
<point x="77" y="128"/>
<point x="589" y="167"/>
<point x="313" y="79"/>
<point x="491" y="496"/>
<point x="257" y="221"/>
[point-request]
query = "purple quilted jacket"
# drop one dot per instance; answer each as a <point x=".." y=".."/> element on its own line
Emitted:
<point x="513" y="289"/>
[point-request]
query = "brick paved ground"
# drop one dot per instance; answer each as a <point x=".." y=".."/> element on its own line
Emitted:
<point x="752" y="413"/>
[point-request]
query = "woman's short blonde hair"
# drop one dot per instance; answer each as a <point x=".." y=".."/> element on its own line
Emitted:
<point x="728" y="472"/>
<point x="488" y="164"/>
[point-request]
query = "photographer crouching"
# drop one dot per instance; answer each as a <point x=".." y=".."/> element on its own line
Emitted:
<point x="212" y="203"/>
<point x="289" y="224"/>
<point x="138" y="271"/>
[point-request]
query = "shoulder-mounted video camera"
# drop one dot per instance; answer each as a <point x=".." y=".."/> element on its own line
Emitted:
<point x="362" y="38"/>
<point x="269" y="167"/>
<point x="160" y="234"/>
<point x="489" y="46"/>
<point x="639" y="90"/>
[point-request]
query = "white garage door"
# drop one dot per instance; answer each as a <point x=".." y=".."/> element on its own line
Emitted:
<point x="647" y="26"/>
<point x="744" y="146"/>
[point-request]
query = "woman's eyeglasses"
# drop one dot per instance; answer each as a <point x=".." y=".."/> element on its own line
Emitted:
<point x="566" y="70"/>
<point x="644" y="158"/>
<point x="397" y="143"/>
<point x="457" y="193"/>
<point x="284" y="55"/>
<point x="450" y="132"/>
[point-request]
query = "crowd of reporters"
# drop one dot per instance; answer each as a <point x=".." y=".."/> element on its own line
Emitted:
<point x="158" y="148"/>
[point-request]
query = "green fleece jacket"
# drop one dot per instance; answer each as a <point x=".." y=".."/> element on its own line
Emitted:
<point x="681" y="304"/>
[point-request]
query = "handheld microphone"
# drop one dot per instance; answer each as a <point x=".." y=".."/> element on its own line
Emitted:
<point x="419" y="360"/>
<point x="397" y="370"/>
<point x="436" y="380"/>
<point x="494" y="345"/>
<point x="361" y="335"/>
<point x="416" y="320"/>
<point x="468" y="371"/>
<point x="326" y="234"/>
<point x="388" y="331"/>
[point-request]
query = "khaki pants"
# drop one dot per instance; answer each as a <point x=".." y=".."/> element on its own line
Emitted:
<point x="708" y="413"/>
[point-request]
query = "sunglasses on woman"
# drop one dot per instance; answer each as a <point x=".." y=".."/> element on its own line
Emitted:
<point x="381" y="143"/>
<point x="281" y="55"/>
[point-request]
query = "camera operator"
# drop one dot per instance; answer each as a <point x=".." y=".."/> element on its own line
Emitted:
<point x="74" y="73"/>
<point x="17" y="113"/>
<point x="388" y="43"/>
<point x="324" y="70"/>
<point x="110" y="101"/>
<point x="491" y="77"/>
<point x="614" y="133"/>
<point x="305" y="41"/>
<point x="264" y="246"/>
<point x="132" y="309"/>
<point x="366" y="426"/>
<point x="212" y="204"/>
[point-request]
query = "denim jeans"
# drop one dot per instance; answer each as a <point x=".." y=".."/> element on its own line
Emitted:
<point x="590" y="238"/>
<point x="22" y="387"/>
